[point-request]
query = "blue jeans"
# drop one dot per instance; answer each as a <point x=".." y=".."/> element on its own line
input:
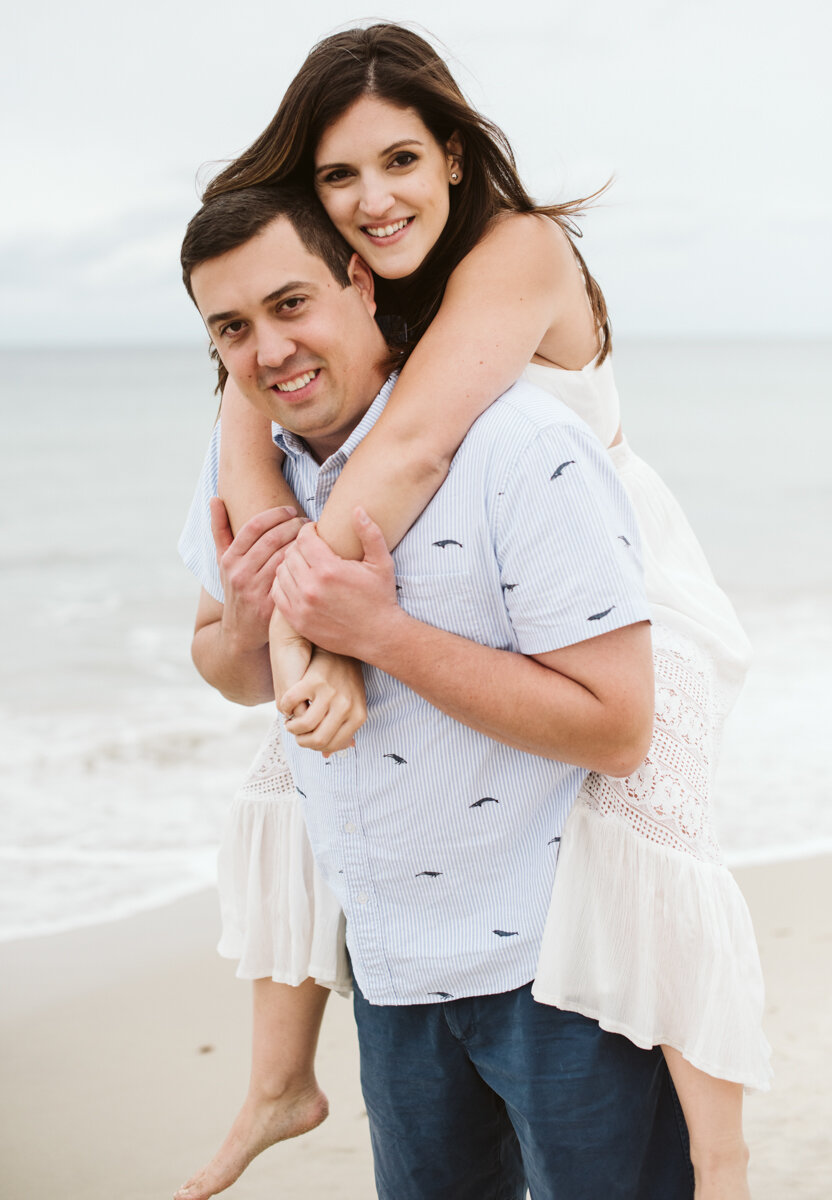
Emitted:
<point x="480" y="1098"/>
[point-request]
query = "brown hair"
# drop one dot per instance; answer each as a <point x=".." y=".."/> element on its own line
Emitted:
<point x="230" y="219"/>
<point x="397" y="65"/>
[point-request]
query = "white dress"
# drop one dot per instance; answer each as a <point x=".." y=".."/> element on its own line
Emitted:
<point x="647" y="931"/>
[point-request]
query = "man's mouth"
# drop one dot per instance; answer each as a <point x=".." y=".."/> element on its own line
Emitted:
<point x="386" y="231"/>
<point x="299" y="381"/>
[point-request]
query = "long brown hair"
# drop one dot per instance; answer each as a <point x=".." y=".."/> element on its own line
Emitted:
<point x="396" y="65"/>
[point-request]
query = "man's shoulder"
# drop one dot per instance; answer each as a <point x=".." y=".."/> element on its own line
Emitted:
<point x="521" y="415"/>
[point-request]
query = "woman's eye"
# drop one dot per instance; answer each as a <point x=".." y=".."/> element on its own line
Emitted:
<point x="404" y="159"/>
<point x="336" y="176"/>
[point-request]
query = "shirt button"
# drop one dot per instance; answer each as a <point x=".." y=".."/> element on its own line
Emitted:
<point x="349" y="827"/>
<point x="362" y="897"/>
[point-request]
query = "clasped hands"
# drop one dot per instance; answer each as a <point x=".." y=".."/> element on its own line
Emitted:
<point x="278" y="569"/>
<point x="340" y="606"/>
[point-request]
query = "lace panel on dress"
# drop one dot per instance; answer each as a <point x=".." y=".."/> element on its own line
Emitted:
<point x="269" y="774"/>
<point x="667" y="800"/>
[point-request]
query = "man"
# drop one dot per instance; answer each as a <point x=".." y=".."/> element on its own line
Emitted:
<point x="508" y="651"/>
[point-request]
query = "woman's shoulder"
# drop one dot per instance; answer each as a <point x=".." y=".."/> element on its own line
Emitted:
<point x="529" y="232"/>
<point x="530" y="243"/>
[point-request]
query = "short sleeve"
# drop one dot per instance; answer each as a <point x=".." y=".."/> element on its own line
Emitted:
<point x="196" y="542"/>
<point x="567" y="543"/>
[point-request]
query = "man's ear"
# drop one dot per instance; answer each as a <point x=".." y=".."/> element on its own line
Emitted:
<point x="361" y="278"/>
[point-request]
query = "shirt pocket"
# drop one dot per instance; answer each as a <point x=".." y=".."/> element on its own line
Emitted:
<point x="450" y="601"/>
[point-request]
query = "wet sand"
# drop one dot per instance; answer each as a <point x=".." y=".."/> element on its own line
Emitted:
<point x="125" y="1054"/>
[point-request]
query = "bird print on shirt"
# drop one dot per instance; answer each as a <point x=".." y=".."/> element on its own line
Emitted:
<point x="509" y="587"/>
<point x="442" y="995"/>
<point x="598" y="616"/>
<point x="397" y="759"/>
<point x="506" y="932"/>
<point x="484" y="800"/>
<point x="430" y="874"/>
<point x="559" y="470"/>
<point x="552" y="841"/>
<point x="625" y="540"/>
<point x="448" y="542"/>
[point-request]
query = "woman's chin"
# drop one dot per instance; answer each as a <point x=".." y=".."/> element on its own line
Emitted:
<point x="388" y="265"/>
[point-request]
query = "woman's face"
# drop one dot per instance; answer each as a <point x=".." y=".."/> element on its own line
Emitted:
<point x="384" y="181"/>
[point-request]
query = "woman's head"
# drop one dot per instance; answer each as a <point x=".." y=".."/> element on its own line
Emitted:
<point x="390" y="66"/>
<point x="386" y="183"/>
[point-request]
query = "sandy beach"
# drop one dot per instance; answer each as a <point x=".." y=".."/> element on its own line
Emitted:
<point x="125" y="1050"/>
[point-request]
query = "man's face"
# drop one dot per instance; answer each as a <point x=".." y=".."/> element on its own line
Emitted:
<point x="304" y="350"/>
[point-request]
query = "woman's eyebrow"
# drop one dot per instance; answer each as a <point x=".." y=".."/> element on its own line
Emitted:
<point x="382" y="153"/>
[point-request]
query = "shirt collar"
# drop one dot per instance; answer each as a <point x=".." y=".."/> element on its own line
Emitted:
<point x="296" y="447"/>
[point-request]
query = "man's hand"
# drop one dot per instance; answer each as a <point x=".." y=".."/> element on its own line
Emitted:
<point x="336" y="603"/>
<point x="247" y="566"/>
<point x="230" y="644"/>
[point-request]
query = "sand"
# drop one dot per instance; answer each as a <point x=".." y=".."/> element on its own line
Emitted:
<point x="125" y="1050"/>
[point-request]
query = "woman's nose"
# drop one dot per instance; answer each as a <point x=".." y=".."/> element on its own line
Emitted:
<point x="376" y="200"/>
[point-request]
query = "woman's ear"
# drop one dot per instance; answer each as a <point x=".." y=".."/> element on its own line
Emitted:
<point x="453" y="151"/>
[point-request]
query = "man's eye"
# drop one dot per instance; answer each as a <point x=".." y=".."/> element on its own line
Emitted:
<point x="231" y="328"/>
<point x="292" y="304"/>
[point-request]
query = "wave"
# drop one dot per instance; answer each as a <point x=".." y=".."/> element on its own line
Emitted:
<point x="145" y="902"/>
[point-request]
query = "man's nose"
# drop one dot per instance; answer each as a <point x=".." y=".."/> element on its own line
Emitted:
<point x="274" y="346"/>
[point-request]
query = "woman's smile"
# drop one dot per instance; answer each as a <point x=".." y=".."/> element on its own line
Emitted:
<point x="386" y="234"/>
<point x="384" y="180"/>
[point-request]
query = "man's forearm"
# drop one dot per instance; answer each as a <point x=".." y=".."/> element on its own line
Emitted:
<point x="242" y="674"/>
<point x="519" y="701"/>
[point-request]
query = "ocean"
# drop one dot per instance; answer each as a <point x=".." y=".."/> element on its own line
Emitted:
<point x="117" y="763"/>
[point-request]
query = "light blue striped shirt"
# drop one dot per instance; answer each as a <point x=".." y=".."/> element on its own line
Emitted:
<point x="440" y="843"/>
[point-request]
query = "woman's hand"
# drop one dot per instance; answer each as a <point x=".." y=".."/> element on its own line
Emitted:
<point x="326" y="706"/>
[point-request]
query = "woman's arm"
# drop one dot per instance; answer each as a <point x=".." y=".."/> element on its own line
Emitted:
<point x="251" y="466"/>
<point x="250" y="481"/>
<point x="519" y="291"/>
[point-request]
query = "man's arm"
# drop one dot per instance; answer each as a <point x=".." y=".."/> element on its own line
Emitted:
<point x="243" y="674"/>
<point x="230" y="646"/>
<point x="590" y="703"/>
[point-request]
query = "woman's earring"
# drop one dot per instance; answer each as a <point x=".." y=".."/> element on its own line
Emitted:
<point x="454" y="177"/>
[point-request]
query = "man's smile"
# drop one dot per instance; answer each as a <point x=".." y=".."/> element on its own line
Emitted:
<point x="297" y="382"/>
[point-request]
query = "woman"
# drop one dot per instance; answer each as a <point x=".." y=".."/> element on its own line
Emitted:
<point x="477" y="286"/>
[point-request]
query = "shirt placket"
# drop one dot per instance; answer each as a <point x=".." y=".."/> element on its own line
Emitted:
<point x="362" y="907"/>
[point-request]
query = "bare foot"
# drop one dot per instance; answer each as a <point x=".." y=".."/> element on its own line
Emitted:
<point x="260" y="1123"/>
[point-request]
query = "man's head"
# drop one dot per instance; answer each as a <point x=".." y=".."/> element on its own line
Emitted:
<point x="289" y="308"/>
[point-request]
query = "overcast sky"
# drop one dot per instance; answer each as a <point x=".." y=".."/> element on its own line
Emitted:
<point x="714" y="117"/>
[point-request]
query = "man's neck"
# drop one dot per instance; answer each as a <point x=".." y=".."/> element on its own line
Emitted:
<point x="322" y="448"/>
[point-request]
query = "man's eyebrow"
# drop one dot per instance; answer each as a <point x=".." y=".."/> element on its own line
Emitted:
<point x="296" y="285"/>
<point x="293" y="286"/>
<point x="382" y="154"/>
